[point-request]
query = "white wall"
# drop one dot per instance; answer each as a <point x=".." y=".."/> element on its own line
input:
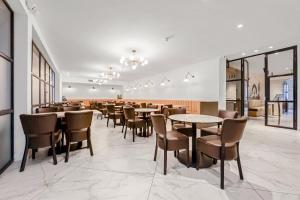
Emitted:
<point x="86" y="91"/>
<point x="24" y="27"/>
<point x="205" y="85"/>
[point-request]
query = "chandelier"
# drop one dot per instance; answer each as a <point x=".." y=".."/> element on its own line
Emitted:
<point x="110" y="74"/>
<point x="133" y="61"/>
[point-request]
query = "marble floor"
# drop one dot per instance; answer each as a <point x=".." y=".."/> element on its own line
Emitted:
<point x="121" y="169"/>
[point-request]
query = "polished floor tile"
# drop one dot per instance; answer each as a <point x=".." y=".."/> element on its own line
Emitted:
<point x="121" y="169"/>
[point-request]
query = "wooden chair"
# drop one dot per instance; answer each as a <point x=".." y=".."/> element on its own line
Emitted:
<point x="78" y="129"/>
<point x="168" y="140"/>
<point x="225" y="146"/>
<point x="40" y="131"/>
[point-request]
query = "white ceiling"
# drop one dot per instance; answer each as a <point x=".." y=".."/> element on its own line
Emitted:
<point x="87" y="36"/>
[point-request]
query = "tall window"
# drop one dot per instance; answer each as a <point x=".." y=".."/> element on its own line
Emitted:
<point x="43" y="80"/>
<point x="6" y="86"/>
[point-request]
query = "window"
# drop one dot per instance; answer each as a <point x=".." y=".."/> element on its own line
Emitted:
<point x="42" y="80"/>
<point x="6" y="86"/>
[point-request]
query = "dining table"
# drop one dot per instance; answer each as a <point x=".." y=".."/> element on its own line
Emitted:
<point x="198" y="121"/>
<point x="145" y="112"/>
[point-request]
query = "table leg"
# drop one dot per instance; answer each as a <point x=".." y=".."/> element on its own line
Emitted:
<point x="194" y="140"/>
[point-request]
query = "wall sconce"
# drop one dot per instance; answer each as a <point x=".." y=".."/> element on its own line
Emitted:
<point x="188" y="76"/>
<point x="164" y="82"/>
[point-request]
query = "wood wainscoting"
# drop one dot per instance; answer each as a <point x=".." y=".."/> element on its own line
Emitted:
<point x="192" y="106"/>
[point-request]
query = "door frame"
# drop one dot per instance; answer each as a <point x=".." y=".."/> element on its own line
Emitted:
<point x="10" y="111"/>
<point x="267" y="86"/>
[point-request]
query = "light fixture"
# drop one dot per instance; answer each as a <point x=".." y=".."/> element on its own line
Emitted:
<point x="133" y="61"/>
<point x="93" y="88"/>
<point x="255" y="51"/>
<point x="270" y="47"/>
<point x="110" y="74"/>
<point x="69" y="86"/>
<point x="164" y="82"/>
<point x="239" y="26"/>
<point x="243" y="54"/>
<point x="149" y="84"/>
<point x="188" y="76"/>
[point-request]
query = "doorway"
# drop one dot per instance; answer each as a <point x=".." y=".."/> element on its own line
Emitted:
<point x="262" y="87"/>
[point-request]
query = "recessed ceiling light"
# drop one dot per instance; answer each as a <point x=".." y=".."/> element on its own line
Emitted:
<point x="270" y="47"/>
<point x="255" y="51"/>
<point x="240" y="26"/>
<point x="243" y="54"/>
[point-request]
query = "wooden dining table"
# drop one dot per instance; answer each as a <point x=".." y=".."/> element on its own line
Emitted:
<point x="145" y="116"/>
<point x="198" y="121"/>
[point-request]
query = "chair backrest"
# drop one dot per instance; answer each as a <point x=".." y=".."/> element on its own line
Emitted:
<point x="228" y="114"/>
<point x="99" y="105"/>
<point x="136" y="105"/>
<point x="169" y="105"/>
<point x="143" y="105"/>
<point x="174" y="111"/>
<point x="152" y="106"/>
<point x="159" y="124"/>
<point x="35" y="125"/>
<point x="71" y="108"/>
<point x="233" y="129"/>
<point x="129" y="113"/>
<point x="110" y="108"/>
<point x="78" y="120"/>
<point x="165" y="111"/>
<point x="46" y="109"/>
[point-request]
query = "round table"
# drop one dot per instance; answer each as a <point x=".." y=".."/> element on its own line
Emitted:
<point x="201" y="121"/>
<point x="145" y="112"/>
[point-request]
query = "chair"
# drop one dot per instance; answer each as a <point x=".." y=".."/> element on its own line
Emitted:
<point x="132" y="121"/>
<point x="78" y="129"/>
<point x="165" y="112"/>
<point x="180" y="126"/>
<point x="143" y="105"/>
<point x="225" y="146"/>
<point x="71" y="108"/>
<point x="216" y="130"/>
<point x="46" y="109"/>
<point x="168" y="140"/>
<point x="112" y="114"/>
<point x="39" y="132"/>
<point x="102" y="109"/>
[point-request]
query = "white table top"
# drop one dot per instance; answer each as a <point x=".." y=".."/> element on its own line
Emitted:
<point x="146" y="110"/>
<point x="196" y="118"/>
<point x="62" y="114"/>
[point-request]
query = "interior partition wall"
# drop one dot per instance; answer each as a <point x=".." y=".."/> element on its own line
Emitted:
<point x="6" y="86"/>
<point x="280" y="83"/>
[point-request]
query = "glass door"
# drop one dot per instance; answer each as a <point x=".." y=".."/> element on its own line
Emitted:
<point x="235" y="86"/>
<point x="6" y="86"/>
<point x="281" y="88"/>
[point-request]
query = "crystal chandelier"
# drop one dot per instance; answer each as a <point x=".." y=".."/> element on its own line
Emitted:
<point x="134" y="61"/>
<point x="110" y="74"/>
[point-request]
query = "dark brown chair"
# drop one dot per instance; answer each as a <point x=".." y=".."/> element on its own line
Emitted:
<point x="46" y="109"/>
<point x="225" y="146"/>
<point x="39" y="132"/>
<point x="180" y="126"/>
<point x="143" y="105"/>
<point x="216" y="130"/>
<point x="133" y="122"/>
<point x="112" y="114"/>
<point x="168" y="140"/>
<point x="169" y="105"/>
<point x="78" y="129"/>
<point x="165" y="112"/>
<point x="71" y="108"/>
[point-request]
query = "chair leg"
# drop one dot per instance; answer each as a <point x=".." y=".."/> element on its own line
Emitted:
<point x="123" y="128"/>
<point x="197" y="160"/>
<point x="155" y="151"/>
<point x="90" y="145"/>
<point x="188" y="157"/>
<point x="54" y="155"/>
<point x="107" y="121"/>
<point x="175" y="154"/>
<point x="24" y="156"/>
<point x="133" y="133"/>
<point x="239" y="163"/>
<point x="33" y="153"/>
<point x="67" y="151"/>
<point x="165" y="162"/>
<point x="125" y="132"/>
<point x="222" y="173"/>
<point x="115" y="122"/>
